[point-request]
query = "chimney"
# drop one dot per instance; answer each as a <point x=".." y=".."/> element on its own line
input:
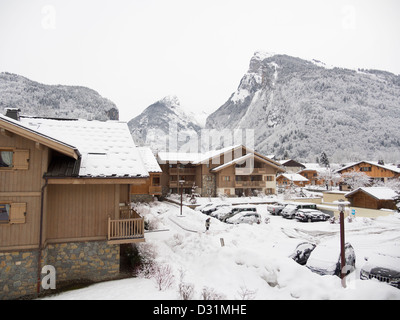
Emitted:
<point x="13" y="113"/>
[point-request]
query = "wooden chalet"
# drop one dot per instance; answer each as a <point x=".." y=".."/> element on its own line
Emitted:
<point x="377" y="171"/>
<point x="373" y="198"/>
<point x="64" y="195"/>
<point x="287" y="180"/>
<point x="152" y="188"/>
<point x="233" y="171"/>
<point x="291" y="165"/>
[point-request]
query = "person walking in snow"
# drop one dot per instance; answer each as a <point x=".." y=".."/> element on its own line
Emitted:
<point x="207" y="224"/>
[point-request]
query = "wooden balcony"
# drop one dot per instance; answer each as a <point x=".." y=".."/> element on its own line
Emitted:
<point x="249" y="171"/>
<point x="182" y="171"/>
<point x="250" y="184"/>
<point x="186" y="184"/>
<point x="155" y="190"/>
<point x="128" y="229"/>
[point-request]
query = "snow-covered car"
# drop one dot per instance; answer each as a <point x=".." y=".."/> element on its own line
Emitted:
<point x="221" y="212"/>
<point x="208" y="210"/>
<point x="302" y="252"/>
<point x="204" y="206"/>
<point x="311" y="215"/>
<point x="249" y="217"/>
<point x="237" y="209"/>
<point x="290" y="210"/>
<point x="276" y="208"/>
<point x="325" y="259"/>
<point x="382" y="267"/>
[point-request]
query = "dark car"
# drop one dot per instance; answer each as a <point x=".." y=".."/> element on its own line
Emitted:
<point x="311" y="215"/>
<point x="325" y="259"/>
<point x="383" y="268"/>
<point x="302" y="252"/>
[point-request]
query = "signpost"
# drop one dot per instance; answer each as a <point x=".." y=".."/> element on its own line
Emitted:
<point x="341" y="206"/>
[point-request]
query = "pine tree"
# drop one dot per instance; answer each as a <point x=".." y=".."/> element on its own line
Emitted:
<point x="323" y="160"/>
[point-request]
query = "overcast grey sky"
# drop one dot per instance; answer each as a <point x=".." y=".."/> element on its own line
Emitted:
<point x="135" y="52"/>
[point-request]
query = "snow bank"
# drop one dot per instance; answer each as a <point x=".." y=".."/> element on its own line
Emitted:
<point x="253" y="263"/>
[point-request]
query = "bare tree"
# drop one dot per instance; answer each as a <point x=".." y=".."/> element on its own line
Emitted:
<point x="355" y="179"/>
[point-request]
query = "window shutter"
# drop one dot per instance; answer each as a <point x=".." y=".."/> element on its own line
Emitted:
<point x="17" y="213"/>
<point x="21" y="159"/>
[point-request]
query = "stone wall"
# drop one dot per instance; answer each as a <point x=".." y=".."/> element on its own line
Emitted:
<point x="209" y="185"/>
<point x="18" y="274"/>
<point x="94" y="261"/>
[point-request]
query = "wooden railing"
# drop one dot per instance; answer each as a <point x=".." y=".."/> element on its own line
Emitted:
<point x="126" y="230"/>
<point x="155" y="190"/>
<point x="250" y="170"/>
<point x="176" y="184"/>
<point x="250" y="184"/>
<point x="182" y="171"/>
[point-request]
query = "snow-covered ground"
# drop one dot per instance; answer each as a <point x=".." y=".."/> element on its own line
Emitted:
<point x="253" y="263"/>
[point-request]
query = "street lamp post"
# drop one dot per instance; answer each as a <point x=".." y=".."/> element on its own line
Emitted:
<point x="181" y="182"/>
<point x="341" y="206"/>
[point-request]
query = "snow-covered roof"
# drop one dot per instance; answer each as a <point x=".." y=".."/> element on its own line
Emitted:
<point x="106" y="147"/>
<point x="12" y="123"/>
<point x="182" y="157"/>
<point x="375" y="163"/>
<point x="193" y="157"/>
<point x="149" y="160"/>
<point x="237" y="160"/>
<point x="379" y="193"/>
<point x="295" y="177"/>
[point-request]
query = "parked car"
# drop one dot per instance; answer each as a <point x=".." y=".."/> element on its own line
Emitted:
<point x="302" y="252"/>
<point x="325" y="259"/>
<point x="290" y="210"/>
<point x="237" y="209"/>
<point x="311" y="215"/>
<point x="249" y="217"/>
<point x="221" y="212"/>
<point x="276" y="208"/>
<point x="382" y="267"/>
<point x="209" y="209"/>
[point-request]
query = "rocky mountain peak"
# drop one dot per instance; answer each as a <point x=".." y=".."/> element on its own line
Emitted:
<point x="301" y="107"/>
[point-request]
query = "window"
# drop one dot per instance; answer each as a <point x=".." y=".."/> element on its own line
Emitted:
<point x="6" y="158"/>
<point x="15" y="159"/>
<point x="156" y="181"/>
<point x="4" y="212"/>
<point x="12" y="212"/>
<point x="227" y="178"/>
<point x="269" y="178"/>
<point x="365" y="169"/>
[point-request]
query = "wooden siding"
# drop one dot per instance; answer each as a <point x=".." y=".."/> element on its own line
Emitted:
<point x="23" y="186"/>
<point x="376" y="172"/>
<point x="364" y="200"/>
<point x="80" y="211"/>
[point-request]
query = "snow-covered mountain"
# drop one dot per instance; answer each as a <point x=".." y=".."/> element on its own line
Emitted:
<point x="301" y="108"/>
<point x="36" y="99"/>
<point x="164" y="125"/>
